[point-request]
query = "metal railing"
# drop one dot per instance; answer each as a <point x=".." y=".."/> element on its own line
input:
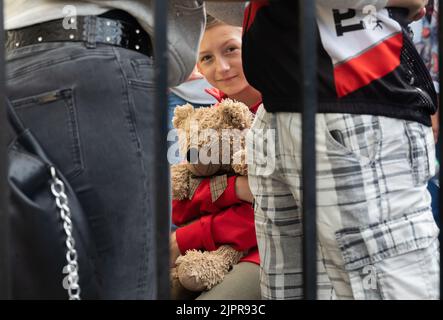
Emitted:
<point x="4" y="225"/>
<point x="308" y="45"/>
<point x="440" y="137"/>
<point x="161" y="196"/>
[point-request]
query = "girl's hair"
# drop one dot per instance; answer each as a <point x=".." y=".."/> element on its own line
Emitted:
<point x="212" y="22"/>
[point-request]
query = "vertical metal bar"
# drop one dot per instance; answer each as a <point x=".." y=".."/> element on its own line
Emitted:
<point x="308" y="45"/>
<point x="160" y="169"/>
<point x="4" y="217"/>
<point x="440" y="138"/>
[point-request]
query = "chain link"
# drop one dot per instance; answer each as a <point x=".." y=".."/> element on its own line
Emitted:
<point x="61" y="200"/>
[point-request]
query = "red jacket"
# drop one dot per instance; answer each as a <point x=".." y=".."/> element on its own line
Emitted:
<point x="228" y="220"/>
<point x="219" y="95"/>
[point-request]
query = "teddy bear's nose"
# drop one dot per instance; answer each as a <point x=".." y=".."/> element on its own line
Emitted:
<point x="192" y="155"/>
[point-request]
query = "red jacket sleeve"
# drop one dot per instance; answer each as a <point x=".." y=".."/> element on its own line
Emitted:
<point x="184" y="211"/>
<point x="234" y="226"/>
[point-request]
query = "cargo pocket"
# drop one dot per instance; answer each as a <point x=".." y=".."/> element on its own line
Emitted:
<point x="395" y="259"/>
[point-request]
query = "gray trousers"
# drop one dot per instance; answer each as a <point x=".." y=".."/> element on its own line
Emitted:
<point x="241" y="283"/>
<point x="91" y="108"/>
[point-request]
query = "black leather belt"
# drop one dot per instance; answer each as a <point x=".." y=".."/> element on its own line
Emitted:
<point x="89" y="29"/>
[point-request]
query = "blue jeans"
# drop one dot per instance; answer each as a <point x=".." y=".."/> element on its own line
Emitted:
<point x="91" y="109"/>
<point x="173" y="101"/>
<point x="434" y="190"/>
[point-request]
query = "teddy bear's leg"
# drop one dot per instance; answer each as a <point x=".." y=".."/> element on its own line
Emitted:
<point x="178" y="292"/>
<point x="199" y="271"/>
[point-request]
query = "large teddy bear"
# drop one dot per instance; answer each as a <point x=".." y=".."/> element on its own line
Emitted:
<point x="212" y="140"/>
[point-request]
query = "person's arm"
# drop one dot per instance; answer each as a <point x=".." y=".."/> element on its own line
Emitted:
<point x="231" y="13"/>
<point x="415" y="7"/>
<point x="435" y="125"/>
<point x="354" y="4"/>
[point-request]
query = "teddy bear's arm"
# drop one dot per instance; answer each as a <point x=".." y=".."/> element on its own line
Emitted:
<point x="180" y="181"/>
<point x="234" y="226"/>
<point x="239" y="163"/>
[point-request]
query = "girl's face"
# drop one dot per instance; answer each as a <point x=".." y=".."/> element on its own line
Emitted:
<point x="220" y="59"/>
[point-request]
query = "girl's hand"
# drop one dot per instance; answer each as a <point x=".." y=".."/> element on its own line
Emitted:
<point x="435" y="126"/>
<point x="174" y="251"/>
<point x="242" y="189"/>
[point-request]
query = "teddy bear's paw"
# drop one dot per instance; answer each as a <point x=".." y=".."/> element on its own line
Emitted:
<point x="200" y="271"/>
<point x="201" y="279"/>
<point x="190" y="255"/>
<point x="192" y="283"/>
<point x="178" y="292"/>
<point x="236" y="114"/>
<point x="240" y="169"/>
<point x="239" y="163"/>
<point x="173" y="274"/>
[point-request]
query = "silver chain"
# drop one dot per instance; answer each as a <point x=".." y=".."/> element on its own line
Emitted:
<point x="61" y="200"/>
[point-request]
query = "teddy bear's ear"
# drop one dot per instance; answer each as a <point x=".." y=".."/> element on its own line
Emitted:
<point x="236" y="114"/>
<point x="181" y="113"/>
